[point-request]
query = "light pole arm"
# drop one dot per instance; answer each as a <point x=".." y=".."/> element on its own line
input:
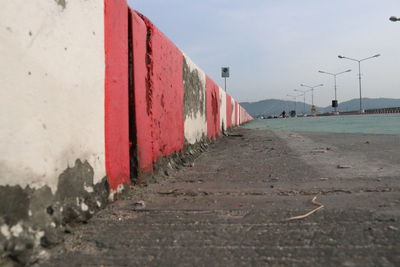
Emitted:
<point x="342" y="72"/>
<point x="341" y="57"/>
<point x="370" y="57"/>
<point x="311" y="87"/>
<point x="306" y="86"/>
<point x="325" y="72"/>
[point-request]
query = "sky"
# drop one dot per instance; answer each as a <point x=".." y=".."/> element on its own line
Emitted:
<point x="274" y="46"/>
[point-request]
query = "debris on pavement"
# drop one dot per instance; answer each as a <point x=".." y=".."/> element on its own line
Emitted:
<point x="234" y="135"/>
<point x="170" y="192"/>
<point x="343" y="166"/>
<point x="313" y="201"/>
<point x="318" y="151"/>
<point x="139" y="205"/>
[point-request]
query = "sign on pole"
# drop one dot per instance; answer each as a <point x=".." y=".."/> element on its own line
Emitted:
<point x="225" y="72"/>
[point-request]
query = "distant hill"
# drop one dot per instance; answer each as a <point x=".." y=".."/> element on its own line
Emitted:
<point x="275" y="106"/>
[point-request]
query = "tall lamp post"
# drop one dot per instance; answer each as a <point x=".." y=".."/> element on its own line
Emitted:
<point x="295" y="102"/>
<point x="359" y="73"/>
<point x="303" y="93"/>
<point x="312" y="96"/>
<point x="335" y="102"/>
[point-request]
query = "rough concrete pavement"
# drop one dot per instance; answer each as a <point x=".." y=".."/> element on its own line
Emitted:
<point x="229" y="207"/>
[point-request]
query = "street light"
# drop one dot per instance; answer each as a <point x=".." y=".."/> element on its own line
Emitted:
<point x="359" y="74"/>
<point x="312" y="95"/>
<point x="394" y="19"/>
<point x="334" y="76"/>
<point x="303" y="93"/>
<point x="295" y="102"/>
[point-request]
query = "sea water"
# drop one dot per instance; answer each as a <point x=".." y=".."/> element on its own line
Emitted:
<point x="370" y="124"/>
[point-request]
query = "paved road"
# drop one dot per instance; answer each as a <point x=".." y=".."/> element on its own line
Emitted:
<point x="230" y="207"/>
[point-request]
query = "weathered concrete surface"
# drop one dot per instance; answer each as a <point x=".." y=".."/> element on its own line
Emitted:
<point x="229" y="208"/>
<point x="34" y="220"/>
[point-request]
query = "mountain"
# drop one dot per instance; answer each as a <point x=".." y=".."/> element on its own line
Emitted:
<point x="273" y="107"/>
<point x="276" y="106"/>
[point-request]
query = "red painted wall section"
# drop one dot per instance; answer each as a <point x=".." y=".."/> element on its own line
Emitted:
<point x="236" y="113"/>
<point x="228" y="111"/>
<point x="164" y="93"/>
<point x="158" y="94"/>
<point x="142" y="109"/>
<point x="248" y="117"/>
<point x="239" y="113"/>
<point x="116" y="93"/>
<point x="212" y="108"/>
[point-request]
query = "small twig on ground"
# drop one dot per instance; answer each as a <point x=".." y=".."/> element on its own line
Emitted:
<point x="168" y="192"/>
<point x="313" y="201"/>
<point x="234" y="135"/>
<point x="343" y="166"/>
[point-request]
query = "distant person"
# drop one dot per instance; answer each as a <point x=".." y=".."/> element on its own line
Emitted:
<point x="283" y="114"/>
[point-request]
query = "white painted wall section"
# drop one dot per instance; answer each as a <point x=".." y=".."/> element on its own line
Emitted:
<point x="52" y="89"/>
<point x="196" y="124"/>
<point x="222" y="108"/>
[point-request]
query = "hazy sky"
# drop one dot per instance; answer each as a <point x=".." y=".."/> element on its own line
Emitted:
<point x="272" y="46"/>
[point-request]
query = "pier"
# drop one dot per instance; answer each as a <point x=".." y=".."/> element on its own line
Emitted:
<point x="231" y="206"/>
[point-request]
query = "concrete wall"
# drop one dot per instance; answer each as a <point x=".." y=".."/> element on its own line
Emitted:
<point x="52" y="90"/>
<point x="212" y="109"/>
<point x="233" y="112"/>
<point x="64" y="116"/>
<point x="159" y="94"/>
<point x="229" y="111"/>
<point x="243" y="115"/>
<point x="222" y="109"/>
<point x="143" y="115"/>
<point x="236" y="113"/>
<point x="176" y="104"/>
<point x="194" y="81"/>
<point x="116" y="97"/>
<point x="165" y="94"/>
<point x="94" y="95"/>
